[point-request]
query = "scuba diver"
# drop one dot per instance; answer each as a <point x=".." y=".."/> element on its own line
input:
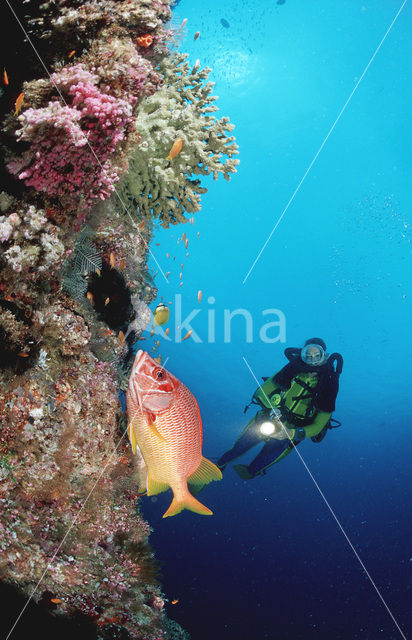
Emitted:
<point x="296" y="403"/>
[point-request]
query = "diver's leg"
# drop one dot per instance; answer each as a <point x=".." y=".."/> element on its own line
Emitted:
<point x="249" y="437"/>
<point x="273" y="451"/>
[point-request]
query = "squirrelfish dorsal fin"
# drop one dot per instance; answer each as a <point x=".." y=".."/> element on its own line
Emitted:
<point x="205" y="473"/>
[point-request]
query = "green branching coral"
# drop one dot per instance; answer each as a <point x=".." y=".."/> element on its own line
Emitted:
<point x="182" y="108"/>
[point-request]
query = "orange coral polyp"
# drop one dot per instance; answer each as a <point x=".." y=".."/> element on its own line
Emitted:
<point x="145" y="41"/>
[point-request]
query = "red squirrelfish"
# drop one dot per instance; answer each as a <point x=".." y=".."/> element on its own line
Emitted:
<point x="164" y="424"/>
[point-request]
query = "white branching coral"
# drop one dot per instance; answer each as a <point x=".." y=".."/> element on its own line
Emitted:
<point x="30" y="241"/>
<point x="183" y="109"/>
<point x="88" y="16"/>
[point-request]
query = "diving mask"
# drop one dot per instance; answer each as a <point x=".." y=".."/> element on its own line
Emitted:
<point x="313" y="354"/>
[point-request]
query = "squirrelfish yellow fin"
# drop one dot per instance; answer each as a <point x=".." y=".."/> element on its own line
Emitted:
<point x="154" y="486"/>
<point x="142" y="486"/>
<point x="155" y="431"/>
<point x="187" y="502"/>
<point x="205" y="473"/>
<point x="132" y="437"/>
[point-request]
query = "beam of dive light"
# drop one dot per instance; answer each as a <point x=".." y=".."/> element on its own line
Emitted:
<point x="87" y="141"/>
<point x="279" y="220"/>
<point x="335" y="517"/>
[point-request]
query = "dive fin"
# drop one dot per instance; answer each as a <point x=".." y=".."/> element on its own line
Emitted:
<point x="187" y="502"/>
<point x="154" y="486"/>
<point x="243" y="472"/>
<point x="205" y="473"/>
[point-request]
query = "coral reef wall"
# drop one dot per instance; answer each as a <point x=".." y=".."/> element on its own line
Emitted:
<point x="91" y="103"/>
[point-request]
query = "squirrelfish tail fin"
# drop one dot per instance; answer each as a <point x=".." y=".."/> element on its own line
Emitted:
<point x="187" y="501"/>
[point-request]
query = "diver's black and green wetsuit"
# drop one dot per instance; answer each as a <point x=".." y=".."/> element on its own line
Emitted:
<point x="305" y="397"/>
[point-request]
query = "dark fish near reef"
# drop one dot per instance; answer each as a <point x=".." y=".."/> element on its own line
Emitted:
<point x="164" y="425"/>
<point x="224" y="23"/>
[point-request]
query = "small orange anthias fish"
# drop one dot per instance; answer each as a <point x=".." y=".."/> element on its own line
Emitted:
<point x="18" y="103"/>
<point x="164" y="423"/>
<point x="197" y="34"/>
<point x="5" y="77"/>
<point x="145" y="41"/>
<point x="176" y="148"/>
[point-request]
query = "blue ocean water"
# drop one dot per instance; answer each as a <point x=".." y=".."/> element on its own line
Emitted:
<point x="273" y="562"/>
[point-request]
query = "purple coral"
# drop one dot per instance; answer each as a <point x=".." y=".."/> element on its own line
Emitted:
<point x="72" y="146"/>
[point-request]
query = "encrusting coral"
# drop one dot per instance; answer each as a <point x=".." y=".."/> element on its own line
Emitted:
<point x="71" y="145"/>
<point x="79" y="141"/>
<point x="75" y="289"/>
<point x="181" y="108"/>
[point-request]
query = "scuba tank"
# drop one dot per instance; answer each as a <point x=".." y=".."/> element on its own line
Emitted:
<point x="325" y="429"/>
<point x="335" y="361"/>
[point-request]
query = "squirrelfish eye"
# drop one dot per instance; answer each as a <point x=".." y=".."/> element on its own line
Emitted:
<point x="159" y="374"/>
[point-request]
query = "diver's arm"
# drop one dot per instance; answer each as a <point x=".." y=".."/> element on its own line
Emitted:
<point x="298" y="434"/>
<point x="317" y="425"/>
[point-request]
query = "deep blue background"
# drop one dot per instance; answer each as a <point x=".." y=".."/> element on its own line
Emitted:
<point x="272" y="562"/>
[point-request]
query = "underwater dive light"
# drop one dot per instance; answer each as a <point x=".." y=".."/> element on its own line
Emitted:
<point x="273" y="423"/>
<point x="267" y="428"/>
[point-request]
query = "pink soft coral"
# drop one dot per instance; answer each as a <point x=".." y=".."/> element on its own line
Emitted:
<point x="72" y="146"/>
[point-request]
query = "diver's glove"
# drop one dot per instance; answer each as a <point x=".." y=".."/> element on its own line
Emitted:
<point x="300" y="434"/>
